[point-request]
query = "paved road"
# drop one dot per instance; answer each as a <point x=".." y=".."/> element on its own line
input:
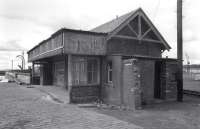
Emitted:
<point x="28" y="108"/>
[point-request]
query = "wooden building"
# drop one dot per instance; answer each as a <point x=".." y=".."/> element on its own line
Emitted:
<point x="119" y="62"/>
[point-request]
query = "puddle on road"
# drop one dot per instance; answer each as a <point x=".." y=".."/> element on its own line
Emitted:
<point x="51" y="98"/>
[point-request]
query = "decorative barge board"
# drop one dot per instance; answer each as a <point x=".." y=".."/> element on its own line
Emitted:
<point x="93" y="65"/>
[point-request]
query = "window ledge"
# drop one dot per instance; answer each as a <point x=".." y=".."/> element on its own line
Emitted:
<point x="109" y="84"/>
<point x="82" y="85"/>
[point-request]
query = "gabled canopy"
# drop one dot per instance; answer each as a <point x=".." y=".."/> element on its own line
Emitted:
<point x="134" y="25"/>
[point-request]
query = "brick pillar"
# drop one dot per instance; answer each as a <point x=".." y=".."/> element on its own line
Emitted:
<point x="137" y="85"/>
<point x="131" y="84"/>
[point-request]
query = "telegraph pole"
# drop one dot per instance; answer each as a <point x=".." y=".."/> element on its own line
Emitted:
<point x="179" y="51"/>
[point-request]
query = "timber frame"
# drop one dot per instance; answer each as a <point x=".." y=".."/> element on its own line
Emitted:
<point x="139" y="36"/>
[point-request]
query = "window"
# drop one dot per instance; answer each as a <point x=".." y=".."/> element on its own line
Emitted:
<point x="109" y="68"/>
<point x="85" y="70"/>
<point x="92" y="71"/>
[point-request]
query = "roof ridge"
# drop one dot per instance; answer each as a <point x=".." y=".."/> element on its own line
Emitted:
<point x="112" y="24"/>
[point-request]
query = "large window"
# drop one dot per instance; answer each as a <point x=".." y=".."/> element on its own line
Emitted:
<point x="85" y="70"/>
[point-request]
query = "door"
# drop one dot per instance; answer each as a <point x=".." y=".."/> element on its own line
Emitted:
<point x="59" y="73"/>
<point x="157" y="80"/>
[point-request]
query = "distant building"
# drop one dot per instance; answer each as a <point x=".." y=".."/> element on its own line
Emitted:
<point x="118" y="62"/>
<point x="191" y="72"/>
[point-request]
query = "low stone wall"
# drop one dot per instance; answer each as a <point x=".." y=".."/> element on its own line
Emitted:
<point x="24" y="77"/>
<point x="19" y="77"/>
<point x="84" y="94"/>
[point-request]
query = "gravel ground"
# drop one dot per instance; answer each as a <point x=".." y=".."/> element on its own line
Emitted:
<point x="29" y="108"/>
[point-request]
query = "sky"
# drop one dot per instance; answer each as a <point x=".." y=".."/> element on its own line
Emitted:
<point x="24" y="23"/>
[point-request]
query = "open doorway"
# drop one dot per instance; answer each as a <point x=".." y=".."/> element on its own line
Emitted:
<point x="157" y="80"/>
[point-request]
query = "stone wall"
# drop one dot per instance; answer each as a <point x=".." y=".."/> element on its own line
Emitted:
<point x="168" y="79"/>
<point x="19" y="77"/>
<point x="84" y="94"/>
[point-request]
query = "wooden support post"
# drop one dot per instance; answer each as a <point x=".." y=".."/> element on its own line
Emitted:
<point x="66" y="72"/>
<point x="139" y="26"/>
<point x="179" y="51"/>
<point x="69" y="76"/>
<point x="32" y="73"/>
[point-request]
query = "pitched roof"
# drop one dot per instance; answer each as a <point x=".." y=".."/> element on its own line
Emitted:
<point x="110" y="26"/>
<point x="113" y="24"/>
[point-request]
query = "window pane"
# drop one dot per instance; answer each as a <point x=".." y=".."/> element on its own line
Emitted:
<point x="92" y="71"/>
<point x="110" y="76"/>
<point x="82" y="73"/>
<point x="90" y="80"/>
<point x="109" y="72"/>
<point x="85" y="70"/>
<point x="95" y="76"/>
<point x="89" y="66"/>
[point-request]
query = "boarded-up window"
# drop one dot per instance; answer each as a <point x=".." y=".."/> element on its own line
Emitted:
<point x="85" y="70"/>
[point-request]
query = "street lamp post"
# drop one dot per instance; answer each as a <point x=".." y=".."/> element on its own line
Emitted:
<point x="23" y="60"/>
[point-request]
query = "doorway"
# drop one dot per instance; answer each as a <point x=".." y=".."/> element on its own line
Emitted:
<point x="157" y="80"/>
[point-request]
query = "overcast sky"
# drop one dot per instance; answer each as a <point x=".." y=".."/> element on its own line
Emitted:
<point x="24" y="23"/>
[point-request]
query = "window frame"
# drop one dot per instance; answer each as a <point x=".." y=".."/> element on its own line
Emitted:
<point x="109" y="72"/>
<point x="80" y="60"/>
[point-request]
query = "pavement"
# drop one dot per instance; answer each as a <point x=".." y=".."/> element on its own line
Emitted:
<point x="47" y="107"/>
<point x="34" y="107"/>
<point x="165" y="115"/>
